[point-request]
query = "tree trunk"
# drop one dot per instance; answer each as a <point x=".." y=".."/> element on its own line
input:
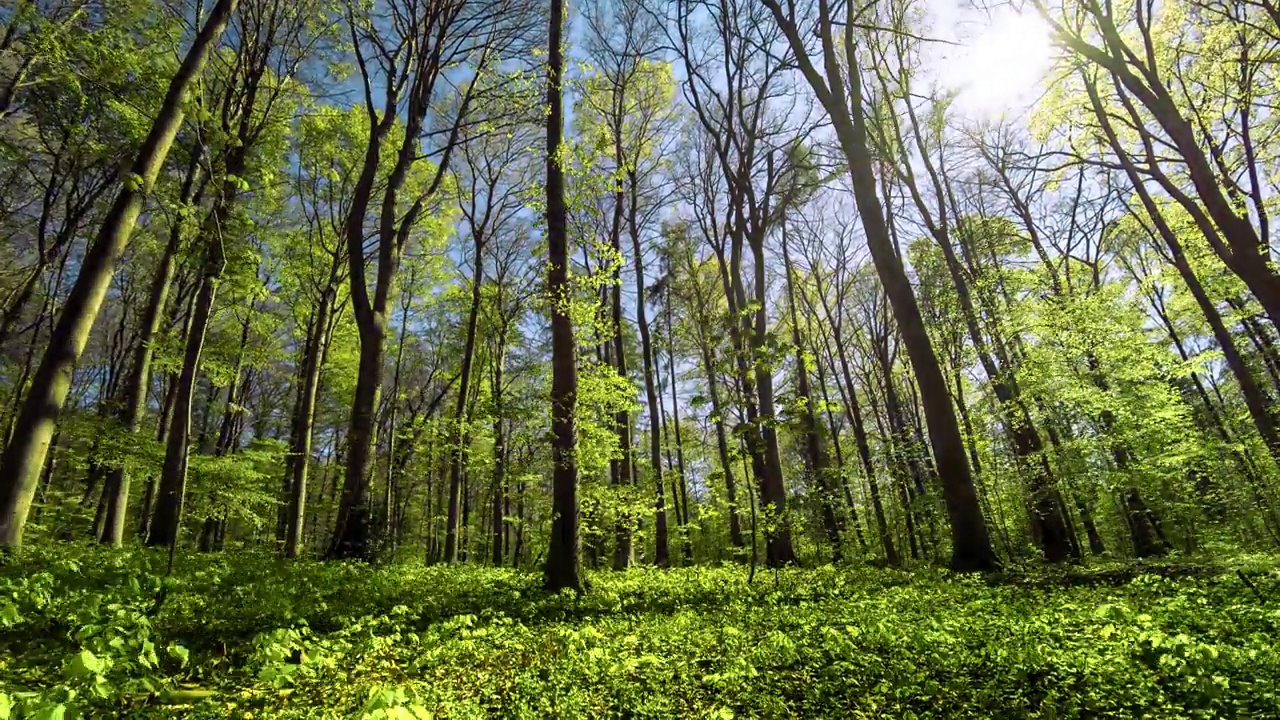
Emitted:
<point x="499" y="489"/>
<point x="459" y="435"/>
<point x="621" y="469"/>
<point x="131" y="411"/>
<point x="563" y="566"/>
<point x="146" y="512"/>
<point x="351" y="535"/>
<point x="853" y="412"/>
<point x="166" y="523"/>
<point x="300" y="442"/>
<point x="970" y="542"/>
<point x="661" y="556"/>
<point x="685" y="544"/>
<point x="773" y="491"/>
<point x="840" y="457"/>
<point x="816" y="451"/>
<point x="722" y="445"/>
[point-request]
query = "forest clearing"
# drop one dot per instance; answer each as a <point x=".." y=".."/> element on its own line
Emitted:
<point x="639" y="358"/>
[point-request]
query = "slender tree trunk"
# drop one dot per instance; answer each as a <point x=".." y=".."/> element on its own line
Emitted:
<point x="685" y="544"/>
<point x="459" y="436"/>
<point x="661" y="556"/>
<point x="840" y="457"/>
<point x="46" y="476"/>
<point x="909" y="462"/>
<point x="853" y="412"/>
<point x="173" y="476"/>
<point x="841" y="95"/>
<point x="24" y="455"/>
<point x="563" y="567"/>
<point x="499" y="489"/>
<point x="778" y="547"/>
<point x="722" y="446"/>
<point x="300" y="442"/>
<point x="131" y="410"/>
<point x="146" y="512"/>
<point x="166" y="524"/>
<point x="517" y="553"/>
<point x="774" y="493"/>
<point x="816" y="451"/>
<point x="622" y="468"/>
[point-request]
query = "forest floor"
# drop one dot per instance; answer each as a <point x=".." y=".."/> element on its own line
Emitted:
<point x="88" y="632"/>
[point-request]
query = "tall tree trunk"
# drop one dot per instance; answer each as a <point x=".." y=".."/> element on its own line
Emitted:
<point x="970" y="541"/>
<point x="621" y="469"/>
<point x="24" y="455"/>
<point x="853" y="412"/>
<point x="499" y="489"/>
<point x="173" y="475"/>
<point x="685" y="544"/>
<point x="904" y="449"/>
<point x="776" y="550"/>
<point x="131" y="410"/>
<point x="517" y="553"/>
<point x="166" y="524"/>
<point x="146" y="512"/>
<point x="773" y="491"/>
<point x="300" y="441"/>
<point x="459" y="435"/>
<point x="563" y="567"/>
<point x="816" y="451"/>
<point x="661" y="556"/>
<point x="834" y="431"/>
<point x="722" y="445"/>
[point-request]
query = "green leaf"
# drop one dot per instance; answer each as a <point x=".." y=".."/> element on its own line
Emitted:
<point x="9" y="615"/>
<point x="178" y="652"/>
<point x="51" y="712"/>
<point x="84" y="664"/>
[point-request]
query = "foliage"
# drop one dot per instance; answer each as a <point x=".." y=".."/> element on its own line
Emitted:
<point x="250" y="635"/>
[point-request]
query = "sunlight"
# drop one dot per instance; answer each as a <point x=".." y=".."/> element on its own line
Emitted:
<point x="1002" y="67"/>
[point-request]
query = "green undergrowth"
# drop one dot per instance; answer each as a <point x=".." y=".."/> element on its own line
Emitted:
<point x="87" y="632"/>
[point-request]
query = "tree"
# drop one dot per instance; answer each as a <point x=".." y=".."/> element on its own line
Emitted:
<point x="563" y="568"/>
<point x="838" y="88"/>
<point x="24" y="455"/>
<point x="412" y="51"/>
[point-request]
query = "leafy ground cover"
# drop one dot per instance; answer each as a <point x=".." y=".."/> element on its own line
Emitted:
<point x="93" y="633"/>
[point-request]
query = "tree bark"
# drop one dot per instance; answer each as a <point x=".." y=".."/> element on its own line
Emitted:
<point x="816" y="451"/>
<point x="661" y="556"/>
<point x="300" y="442"/>
<point x="682" y="483"/>
<point x="459" y="436"/>
<point x="131" y="410"/>
<point x="722" y="447"/>
<point x="563" y="566"/>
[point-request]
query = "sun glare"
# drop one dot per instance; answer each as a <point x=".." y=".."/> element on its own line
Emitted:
<point x="1001" y="68"/>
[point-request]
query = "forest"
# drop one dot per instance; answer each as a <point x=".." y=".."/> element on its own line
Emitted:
<point x="639" y="358"/>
